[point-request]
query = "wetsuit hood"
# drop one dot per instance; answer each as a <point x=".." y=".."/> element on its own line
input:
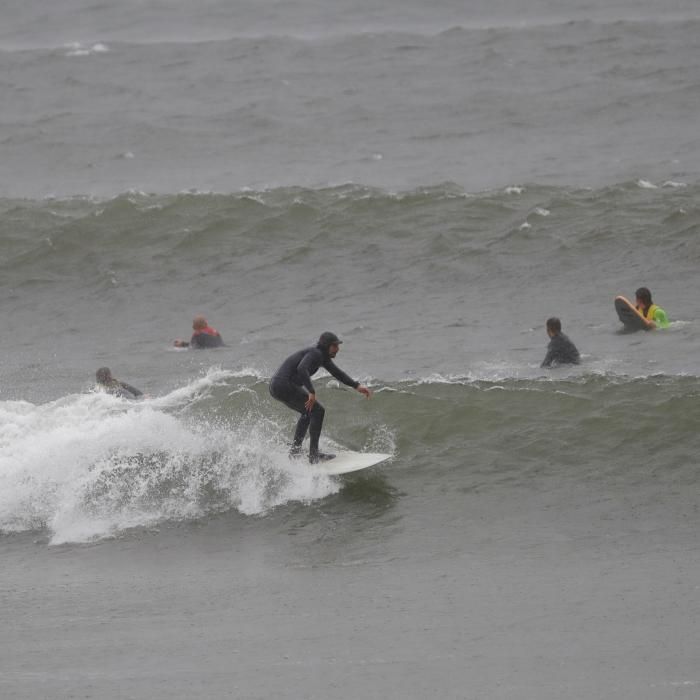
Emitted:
<point x="325" y="341"/>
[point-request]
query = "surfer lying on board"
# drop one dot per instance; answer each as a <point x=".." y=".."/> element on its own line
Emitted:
<point x="113" y="386"/>
<point x="560" y="351"/>
<point x="654" y="314"/>
<point x="291" y="385"/>
<point x="204" y="336"/>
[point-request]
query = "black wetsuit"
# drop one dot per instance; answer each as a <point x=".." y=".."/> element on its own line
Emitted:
<point x="561" y="351"/>
<point x="206" y="340"/>
<point x="292" y="385"/>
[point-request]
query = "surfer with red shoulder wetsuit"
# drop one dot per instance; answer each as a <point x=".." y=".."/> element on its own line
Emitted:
<point x="204" y="336"/>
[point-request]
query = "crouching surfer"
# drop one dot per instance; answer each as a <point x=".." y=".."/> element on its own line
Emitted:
<point x="560" y="351"/>
<point x="204" y="336"/>
<point x="113" y="386"/>
<point x="654" y="314"/>
<point x="292" y="385"/>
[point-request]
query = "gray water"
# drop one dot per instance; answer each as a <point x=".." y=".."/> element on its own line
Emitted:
<point x="101" y="98"/>
<point x="431" y="183"/>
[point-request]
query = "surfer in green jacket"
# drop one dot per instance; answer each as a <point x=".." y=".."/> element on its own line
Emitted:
<point x="651" y="312"/>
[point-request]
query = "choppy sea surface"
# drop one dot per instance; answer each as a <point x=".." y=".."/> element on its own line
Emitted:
<point x="431" y="183"/>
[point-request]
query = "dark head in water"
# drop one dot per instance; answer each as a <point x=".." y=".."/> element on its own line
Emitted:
<point x="329" y="344"/>
<point x="553" y="326"/>
<point x="643" y="298"/>
<point x="104" y="376"/>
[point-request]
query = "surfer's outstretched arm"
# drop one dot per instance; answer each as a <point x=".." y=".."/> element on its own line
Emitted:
<point x="131" y="389"/>
<point x="338" y="373"/>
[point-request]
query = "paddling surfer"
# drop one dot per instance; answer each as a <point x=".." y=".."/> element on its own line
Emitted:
<point x="113" y="386"/>
<point x="204" y="336"/>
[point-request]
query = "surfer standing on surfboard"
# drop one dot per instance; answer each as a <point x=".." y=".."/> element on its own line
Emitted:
<point x="291" y="385"/>
<point x="654" y="314"/>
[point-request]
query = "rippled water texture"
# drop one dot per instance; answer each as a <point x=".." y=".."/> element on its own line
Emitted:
<point x="431" y="181"/>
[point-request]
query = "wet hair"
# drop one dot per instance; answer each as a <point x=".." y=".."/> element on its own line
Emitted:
<point x="554" y="324"/>
<point x="104" y="375"/>
<point x="199" y="322"/>
<point x="644" y="294"/>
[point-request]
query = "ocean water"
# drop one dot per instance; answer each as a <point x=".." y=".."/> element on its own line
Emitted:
<point x="431" y="183"/>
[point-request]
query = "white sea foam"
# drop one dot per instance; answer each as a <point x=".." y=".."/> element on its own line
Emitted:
<point x="504" y="371"/>
<point x="483" y="372"/>
<point x="91" y="465"/>
<point x="646" y="185"/>
<point x="77" y="49"/>
<point x="674" y="183"/>
<point x="541" y="211"/>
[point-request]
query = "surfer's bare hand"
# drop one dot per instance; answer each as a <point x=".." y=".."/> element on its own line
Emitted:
<point x="310" y="402"/>
<point x="364" y="391"/>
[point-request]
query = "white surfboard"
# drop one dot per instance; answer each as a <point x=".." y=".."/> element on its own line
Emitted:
<point x="345" y="462"/>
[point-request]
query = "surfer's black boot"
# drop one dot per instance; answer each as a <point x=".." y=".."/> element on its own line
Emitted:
<point x="315" y="456"/>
